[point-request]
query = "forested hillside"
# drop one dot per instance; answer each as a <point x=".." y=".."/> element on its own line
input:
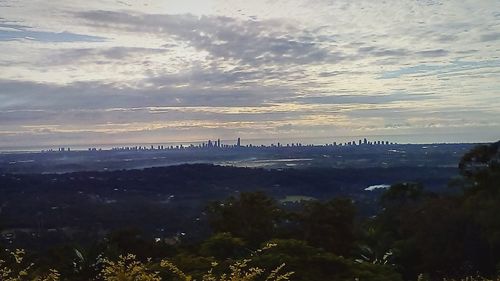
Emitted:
<point x="416" y="233"/>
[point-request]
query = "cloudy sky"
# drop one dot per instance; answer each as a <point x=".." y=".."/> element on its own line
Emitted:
<point x="103" y="72"/>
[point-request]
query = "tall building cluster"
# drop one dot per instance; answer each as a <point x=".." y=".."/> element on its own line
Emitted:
<point x="217" y="144"/>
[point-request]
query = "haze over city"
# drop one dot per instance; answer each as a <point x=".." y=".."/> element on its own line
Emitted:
<point x="125" y="72"/>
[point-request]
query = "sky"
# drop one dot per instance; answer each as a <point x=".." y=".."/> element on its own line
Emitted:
<point x="115" y="72"/>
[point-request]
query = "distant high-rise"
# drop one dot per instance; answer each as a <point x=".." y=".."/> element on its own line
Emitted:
<point x="238" y="143"/>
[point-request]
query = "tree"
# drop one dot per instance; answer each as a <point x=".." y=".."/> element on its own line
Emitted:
<point x="223" y="246"/>
<point x="401" y="195"/>
<point x="430" y="233"/>
<point x="482" y="159"/>
<point x="314" y="264"/>
<point x="330" y="225"/>
<point x="481" y="171"/>
<point x="252" y="216"/>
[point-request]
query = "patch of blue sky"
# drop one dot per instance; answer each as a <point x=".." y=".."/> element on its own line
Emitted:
<point x="452" y="67"/>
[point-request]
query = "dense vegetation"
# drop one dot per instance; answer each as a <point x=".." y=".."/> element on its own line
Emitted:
<point x="45" y="209"/>
<point x="417" y="234"/>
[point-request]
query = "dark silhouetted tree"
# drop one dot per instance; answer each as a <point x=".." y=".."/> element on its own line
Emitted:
<point x="223" y="246"/>
<point x="252" y="216"/>
<point x="330" y="225"/>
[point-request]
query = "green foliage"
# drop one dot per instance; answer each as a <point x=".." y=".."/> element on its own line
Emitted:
<point x="402" y="194"/>
<point x="453" y="236"/>
<point x="330" y="225"/>
<point x="481" y="169"/>
<point x="127" y="268"/>
<point x="223" y="246"/>
<point x="481" y="160"/>
<point x="252" y="217"/>
<point x="194" y="264"/>
<point x="15" y="268"/>
<point x="240" y="270"/>
<point x="313" y="264"/>
<point x="416" y="236"/>
<point x="122" y="242"/>
<point x="426" y="234"/>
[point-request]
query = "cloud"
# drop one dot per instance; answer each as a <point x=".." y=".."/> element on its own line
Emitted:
<point x="91" y="95"/>
<point x="453" y="67"/>
<point x="490" y="37"/>
<point x="76" y="71"/>
<point x="400" y="53"/>
<point x="377" y="52"/>
<point x="12" y="32"/>
<point x="433" y="53"/>
<point x="108" y="54"/>
<point x="380" y="98"/>
<point x="251" y="42"/>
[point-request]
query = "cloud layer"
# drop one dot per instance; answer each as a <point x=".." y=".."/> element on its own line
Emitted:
<point x="161" y="71"/>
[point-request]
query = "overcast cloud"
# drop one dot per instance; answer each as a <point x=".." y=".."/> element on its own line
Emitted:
<point x="104" y="72"/>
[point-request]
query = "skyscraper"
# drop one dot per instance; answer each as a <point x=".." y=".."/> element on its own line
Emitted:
<point x="238" y="144"/>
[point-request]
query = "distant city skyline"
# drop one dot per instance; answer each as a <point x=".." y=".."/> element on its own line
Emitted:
<point x="161" y="71"/>
<point x="226" y="143"/>
<point x="218" y="145"/>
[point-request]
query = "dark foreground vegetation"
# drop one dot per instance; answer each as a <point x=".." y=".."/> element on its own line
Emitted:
<point x="40" y="210"/>
<point x="415" y="233"/>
